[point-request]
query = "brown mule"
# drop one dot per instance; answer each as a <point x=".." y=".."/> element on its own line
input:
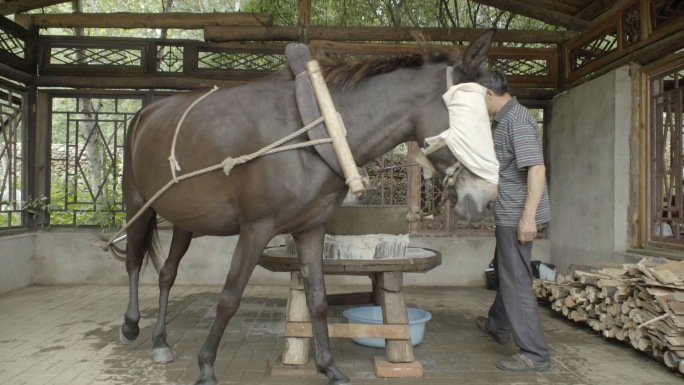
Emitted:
<point x="383" y="102"/>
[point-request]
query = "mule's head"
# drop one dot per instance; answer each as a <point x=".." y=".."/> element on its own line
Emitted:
<point x="472" y="195"/>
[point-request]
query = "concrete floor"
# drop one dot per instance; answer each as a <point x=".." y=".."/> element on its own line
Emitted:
<point x="70" y="335"/>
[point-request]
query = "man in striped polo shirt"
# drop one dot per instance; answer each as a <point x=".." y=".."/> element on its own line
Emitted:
<point x="522" y="204"/>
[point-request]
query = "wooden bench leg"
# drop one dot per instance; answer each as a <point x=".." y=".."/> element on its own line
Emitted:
<point x="399" y="353"/>
<point x="295" y="358"/>
<point x="296" y="349"/>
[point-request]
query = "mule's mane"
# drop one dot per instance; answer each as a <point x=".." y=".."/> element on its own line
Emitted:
<point x="346" y="73"/>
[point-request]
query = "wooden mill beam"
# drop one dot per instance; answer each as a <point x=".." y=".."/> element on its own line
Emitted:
<point x="534" y="11"/>
<point x="127" y="20"/>
<point x="378" y="34"/>
<point x="10" y="7"/>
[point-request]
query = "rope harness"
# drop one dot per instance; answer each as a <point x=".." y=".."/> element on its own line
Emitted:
<point x="226" y="165"/>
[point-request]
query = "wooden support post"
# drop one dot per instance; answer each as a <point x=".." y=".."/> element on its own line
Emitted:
<point x="394" y="312"/>
<point x="296" y="350"/>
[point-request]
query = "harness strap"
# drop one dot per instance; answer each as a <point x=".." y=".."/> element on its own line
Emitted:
<point x="172" y="158"/>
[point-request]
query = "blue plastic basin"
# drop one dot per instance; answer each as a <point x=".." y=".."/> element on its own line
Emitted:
<point x="373" y="315"/>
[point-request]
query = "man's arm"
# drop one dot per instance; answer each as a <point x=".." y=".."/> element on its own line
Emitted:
<point x="527" y="227"/>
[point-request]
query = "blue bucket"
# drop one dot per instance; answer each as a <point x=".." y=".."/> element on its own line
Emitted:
<point x="373" y="315"/>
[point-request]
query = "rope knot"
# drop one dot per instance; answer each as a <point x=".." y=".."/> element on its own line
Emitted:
<point x="228" y="165"/>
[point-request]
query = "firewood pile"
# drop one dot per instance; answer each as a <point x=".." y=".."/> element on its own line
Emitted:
<point x="641" y="304"/>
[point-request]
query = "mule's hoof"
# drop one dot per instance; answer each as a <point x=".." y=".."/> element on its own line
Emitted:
<point x="340" y="381"/>
<point x="123" y="338"/>
<point x="210" y="381"/>
<point x="162" y="355"/>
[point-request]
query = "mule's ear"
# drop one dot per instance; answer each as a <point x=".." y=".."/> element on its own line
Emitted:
<point x="477" y="52"/>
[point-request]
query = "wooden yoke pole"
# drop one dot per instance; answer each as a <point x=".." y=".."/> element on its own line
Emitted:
<point x="335" y="129"/>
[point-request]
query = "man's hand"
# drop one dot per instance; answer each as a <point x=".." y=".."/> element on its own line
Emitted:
<point x="527" y="230"/>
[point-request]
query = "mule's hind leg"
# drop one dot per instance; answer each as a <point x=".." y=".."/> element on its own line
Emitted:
<point x="310" y="253"/>
<point x="167" y="276"/>
<point x="138" y="237"/>
<point x="250" y="246"/>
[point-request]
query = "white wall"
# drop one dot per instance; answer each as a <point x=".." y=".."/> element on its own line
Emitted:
<point x="66" y="258"/>
<point x="17" y="261"/>
<point x="589" y="163"/>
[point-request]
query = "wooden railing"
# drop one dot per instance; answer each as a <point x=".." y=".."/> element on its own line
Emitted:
<point x="640" y="30"/>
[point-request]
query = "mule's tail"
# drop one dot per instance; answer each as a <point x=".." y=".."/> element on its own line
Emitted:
<point x="151" y="247"/>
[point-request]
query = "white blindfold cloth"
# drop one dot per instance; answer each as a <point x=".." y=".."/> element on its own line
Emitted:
<point x="469" y="136"/>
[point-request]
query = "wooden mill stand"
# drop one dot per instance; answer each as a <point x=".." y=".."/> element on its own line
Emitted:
<point x="387" y="279"/>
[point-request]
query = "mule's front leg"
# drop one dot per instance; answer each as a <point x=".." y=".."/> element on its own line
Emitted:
<point x="167" y="276"/>
<point x="310" y="253"/>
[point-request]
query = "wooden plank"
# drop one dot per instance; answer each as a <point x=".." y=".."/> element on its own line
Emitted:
<point x="289" y="33"/>
<point x="335" y="330"/>
<point x="387" y="369"/>
<point x="128" y="20"/>
<point x="677" y="308"/>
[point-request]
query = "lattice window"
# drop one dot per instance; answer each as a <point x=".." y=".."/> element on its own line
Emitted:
<point x="662" y="11"/>
<point x="96" y="56"/>
<point x="523" y="66"/>
<point x="601" y="45"/>
<point x="86" y="159"/>
<point x="240" y="61"/>
<point x="667" y="92"/>
<point x="170" y="58"/>
<point x="11" y="161"/>
<point x="631" y="26"/>
<point x="12" y="44"/>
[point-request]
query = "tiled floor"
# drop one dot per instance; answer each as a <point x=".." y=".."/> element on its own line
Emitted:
<point x="70" y="335"/>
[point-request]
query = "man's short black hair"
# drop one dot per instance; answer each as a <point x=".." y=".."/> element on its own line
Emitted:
<point x="493" y="79"/>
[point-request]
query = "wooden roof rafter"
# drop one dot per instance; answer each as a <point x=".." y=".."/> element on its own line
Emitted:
<point x="11" y="7"/>
<point x="536" y="10"/>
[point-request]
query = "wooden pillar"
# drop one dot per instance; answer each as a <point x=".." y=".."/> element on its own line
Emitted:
<point x="304" y="19"/>
<point x="394" y="312"/>
<point x="296" y="350"/>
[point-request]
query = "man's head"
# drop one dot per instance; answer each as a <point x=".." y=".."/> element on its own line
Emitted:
<point x="494" y="80"/>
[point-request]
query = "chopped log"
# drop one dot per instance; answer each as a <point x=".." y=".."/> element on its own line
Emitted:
<point x="569" y="302"/>
<point x="579" y="315"/>
<point x="671" y="359"/>
<point x="561" y="279"/>
<point x="559" y="291"/>
<point x="587" y="279"/>
<point x="592" y="294"/>
<point x="644" y="344"/>
<point x="609" y="291"/>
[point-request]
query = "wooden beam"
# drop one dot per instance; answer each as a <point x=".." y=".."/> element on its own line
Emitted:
<point x="15" y="74"/>
<point x="127" y="20"/>
<point x="391" y="331"/>
<point x="217" y="34"/>
<point x="10" y="7"/>
<point x="595" y="9"/>
<point x="534" y="11"/>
